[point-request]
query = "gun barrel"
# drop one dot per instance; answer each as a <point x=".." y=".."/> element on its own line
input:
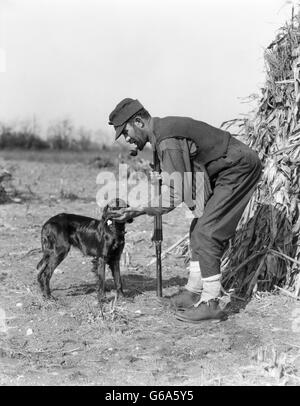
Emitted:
<point x="158" y="234"/>
<point x="158" y="269"/>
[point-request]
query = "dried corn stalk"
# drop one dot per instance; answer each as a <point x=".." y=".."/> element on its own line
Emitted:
<point x="268" y="233"/>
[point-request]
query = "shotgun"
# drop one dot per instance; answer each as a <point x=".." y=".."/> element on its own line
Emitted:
<point x="158" y="235"/>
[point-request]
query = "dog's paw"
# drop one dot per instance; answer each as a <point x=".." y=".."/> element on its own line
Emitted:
<point x="120" y="293"/>
<point x="50" y="298"/>
<point x="102" y="300"/>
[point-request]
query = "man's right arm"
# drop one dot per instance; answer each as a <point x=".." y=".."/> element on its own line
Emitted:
<point x="176" y="176"/>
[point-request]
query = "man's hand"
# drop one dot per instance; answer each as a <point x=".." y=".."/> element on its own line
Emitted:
<point x="124" y="214"/>
<point x="155" y="177"/>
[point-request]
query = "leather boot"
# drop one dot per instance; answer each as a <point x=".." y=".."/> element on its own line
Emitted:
<point x="185" y="299"/>
<point x="204" y="311"/>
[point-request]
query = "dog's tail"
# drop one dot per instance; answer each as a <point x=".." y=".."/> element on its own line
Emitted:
<point x="32" y="252"/>
<point x="41" y="266"/>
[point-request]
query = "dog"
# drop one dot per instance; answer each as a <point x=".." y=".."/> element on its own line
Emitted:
<point x="102" y="239"/>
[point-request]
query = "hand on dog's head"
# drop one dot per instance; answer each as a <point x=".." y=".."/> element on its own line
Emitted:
<point x="113" y="207"/>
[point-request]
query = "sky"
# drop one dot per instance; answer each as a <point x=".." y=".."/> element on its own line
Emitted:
<point x="77" y="59"/>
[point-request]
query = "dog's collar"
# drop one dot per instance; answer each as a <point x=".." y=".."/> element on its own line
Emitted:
<point x="109" y="223"/>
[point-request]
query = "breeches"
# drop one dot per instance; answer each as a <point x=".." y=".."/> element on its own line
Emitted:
<point x="233" y="178"/>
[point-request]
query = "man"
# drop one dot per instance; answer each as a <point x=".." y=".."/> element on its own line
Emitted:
<point x="231" y="170"/>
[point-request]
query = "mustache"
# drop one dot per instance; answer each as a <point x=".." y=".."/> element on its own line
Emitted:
<point x="133" y="152"/>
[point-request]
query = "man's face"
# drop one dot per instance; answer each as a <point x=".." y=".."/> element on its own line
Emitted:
<point x="134" y="134"/>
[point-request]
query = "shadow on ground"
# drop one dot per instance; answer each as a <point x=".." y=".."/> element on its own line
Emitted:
<point x="133" y="285"/>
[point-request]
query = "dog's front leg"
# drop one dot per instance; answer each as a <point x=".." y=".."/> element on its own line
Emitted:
<point x="101" y="280"/>
<point x="115" y="270"/>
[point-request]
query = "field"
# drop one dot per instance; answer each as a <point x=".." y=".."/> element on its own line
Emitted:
<point x="136" y="340"/>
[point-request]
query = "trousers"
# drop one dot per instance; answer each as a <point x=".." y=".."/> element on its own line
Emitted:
<point x="233" y="179"/>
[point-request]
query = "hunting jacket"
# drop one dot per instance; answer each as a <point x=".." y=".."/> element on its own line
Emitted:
<point x="184" y="146"/>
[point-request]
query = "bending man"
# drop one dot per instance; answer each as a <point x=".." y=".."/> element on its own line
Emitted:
<point x="231" y="172"/>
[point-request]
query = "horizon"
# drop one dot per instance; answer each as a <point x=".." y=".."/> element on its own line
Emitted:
<point x="80" y="63"/>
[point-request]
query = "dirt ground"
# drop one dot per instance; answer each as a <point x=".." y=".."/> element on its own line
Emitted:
<point x="136" y="340"/>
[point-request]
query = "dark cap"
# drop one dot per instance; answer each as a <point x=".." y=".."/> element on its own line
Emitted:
<point x="122" y="113"/>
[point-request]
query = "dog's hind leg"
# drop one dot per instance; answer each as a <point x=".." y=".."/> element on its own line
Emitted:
<point x="41" y="267"/>
<point x="115" y="270"/>
<point x="46" y="268"/>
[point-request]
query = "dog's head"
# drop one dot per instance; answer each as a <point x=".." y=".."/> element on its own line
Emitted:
<point x="114" y="205"/>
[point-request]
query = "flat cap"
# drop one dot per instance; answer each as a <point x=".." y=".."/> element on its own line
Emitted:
<point x="122" y="113"/>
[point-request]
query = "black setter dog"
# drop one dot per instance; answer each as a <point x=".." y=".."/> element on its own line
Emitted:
<point x="103" y="240"/>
